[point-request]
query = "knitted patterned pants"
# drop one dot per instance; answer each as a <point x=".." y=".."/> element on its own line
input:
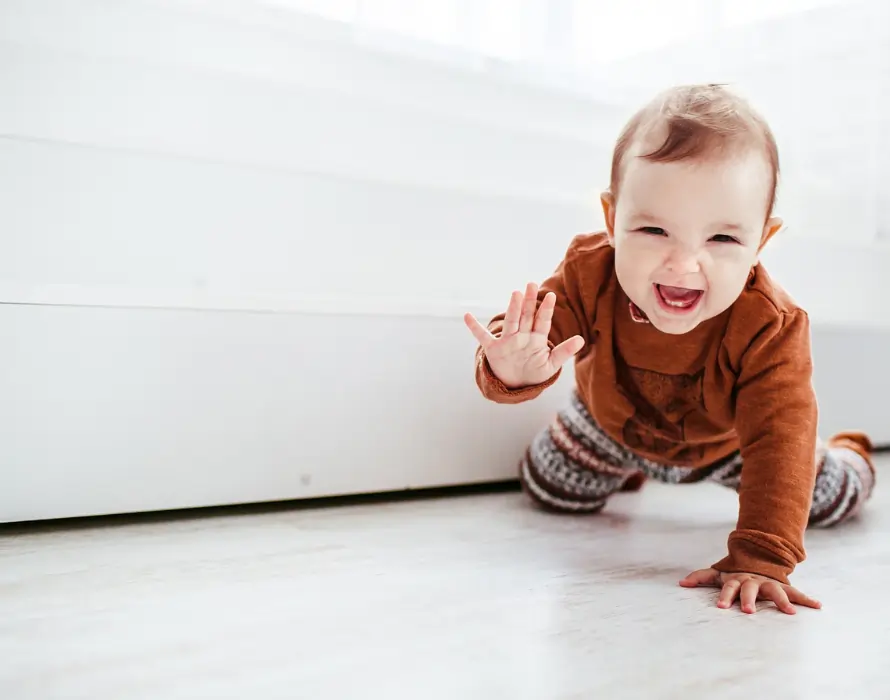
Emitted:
<point x="573" y="466"/>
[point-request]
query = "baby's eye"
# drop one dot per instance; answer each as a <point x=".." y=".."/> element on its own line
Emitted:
<point x="723" y="238"/>
<point x="654" y="230"/>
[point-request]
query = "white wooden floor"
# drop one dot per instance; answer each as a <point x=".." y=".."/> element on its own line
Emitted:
<point x="470" y="597"/>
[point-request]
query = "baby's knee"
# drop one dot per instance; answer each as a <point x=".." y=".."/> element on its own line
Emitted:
<point x="553" y="496"/>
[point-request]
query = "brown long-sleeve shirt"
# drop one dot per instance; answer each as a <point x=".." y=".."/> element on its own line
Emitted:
<point x="739" y="381"/>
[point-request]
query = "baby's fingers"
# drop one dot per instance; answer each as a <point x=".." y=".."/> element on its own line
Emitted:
<point x="702" y="577"/>
<point x="529" y="306"/>
<point x="729" y="593"/>
<point x="566" y="349"/>
<point x="748" y="596"/>
<point x="544" y="315"/>
<point x="514" y="313"/>
<point x="480" y="332"/>
<point x="795" y="596"/>
<point x="774" y="592"/>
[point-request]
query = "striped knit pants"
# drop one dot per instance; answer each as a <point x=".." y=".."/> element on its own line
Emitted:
<point x="573" y="466"/>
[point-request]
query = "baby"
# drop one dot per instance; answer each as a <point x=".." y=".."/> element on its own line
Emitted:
<point x="691" y="363"/>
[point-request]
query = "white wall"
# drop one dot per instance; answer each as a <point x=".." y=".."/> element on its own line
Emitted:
<point x="248" y="141"/>
<point x="822" y="78"/>
<point x="177" y="170"/>
<point x="213" y="218"/>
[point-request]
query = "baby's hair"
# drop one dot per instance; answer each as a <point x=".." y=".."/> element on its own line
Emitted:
<point x="699" y="120"/>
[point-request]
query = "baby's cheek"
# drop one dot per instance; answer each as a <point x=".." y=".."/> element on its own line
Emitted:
<point x="727" y="276"/>
<point x="636" y="260"/>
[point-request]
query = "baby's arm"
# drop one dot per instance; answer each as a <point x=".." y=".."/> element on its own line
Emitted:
<point x="776" y="416"/>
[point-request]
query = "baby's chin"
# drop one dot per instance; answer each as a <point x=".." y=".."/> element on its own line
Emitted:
<point x="676" y="323"/>
<point x="675" y="327"/>
<point x="681" y="325"/>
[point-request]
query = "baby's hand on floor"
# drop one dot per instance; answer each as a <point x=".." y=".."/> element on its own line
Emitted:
<point x="748" y="588"/>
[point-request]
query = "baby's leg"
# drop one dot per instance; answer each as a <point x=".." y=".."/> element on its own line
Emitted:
<point x="845" y="479"/>
<point x="571" y="466"/>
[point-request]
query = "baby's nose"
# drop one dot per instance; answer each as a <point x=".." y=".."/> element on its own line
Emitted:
<point x="683" y="262"/>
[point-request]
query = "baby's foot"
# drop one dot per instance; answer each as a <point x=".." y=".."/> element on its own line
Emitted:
<point x="856" y="449"/>
<point x="856" y="441"/>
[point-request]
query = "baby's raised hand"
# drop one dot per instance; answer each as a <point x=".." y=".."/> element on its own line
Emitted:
<point x="748" y="588"/>
<point x="521" y="355"/>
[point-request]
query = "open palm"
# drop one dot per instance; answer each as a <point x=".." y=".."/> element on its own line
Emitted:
<point x="521" y="355"/>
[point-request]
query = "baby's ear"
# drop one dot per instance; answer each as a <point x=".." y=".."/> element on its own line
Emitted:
<point x="608" y="202"/>
<point x="770" y="229"/>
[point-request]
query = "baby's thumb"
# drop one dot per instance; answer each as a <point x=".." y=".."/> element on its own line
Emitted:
<point x="566" y="349"/>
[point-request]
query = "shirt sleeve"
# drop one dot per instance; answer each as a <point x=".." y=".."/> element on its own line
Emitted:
<point x="776" y="421"/>
<point x="569" y="319"/>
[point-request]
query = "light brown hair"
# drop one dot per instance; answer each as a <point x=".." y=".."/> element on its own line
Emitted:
<point x="698" y="120"/>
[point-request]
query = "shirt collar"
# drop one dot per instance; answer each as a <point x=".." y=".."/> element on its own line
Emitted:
<point x="636" y="313"/>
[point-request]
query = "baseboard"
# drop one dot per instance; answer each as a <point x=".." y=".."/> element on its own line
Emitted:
<point x="246" y="509"/>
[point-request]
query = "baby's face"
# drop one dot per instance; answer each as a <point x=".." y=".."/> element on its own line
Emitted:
<point x="687" y="234"/>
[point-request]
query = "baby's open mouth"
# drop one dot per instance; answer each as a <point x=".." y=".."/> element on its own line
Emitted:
<point x="678" y="298"/>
